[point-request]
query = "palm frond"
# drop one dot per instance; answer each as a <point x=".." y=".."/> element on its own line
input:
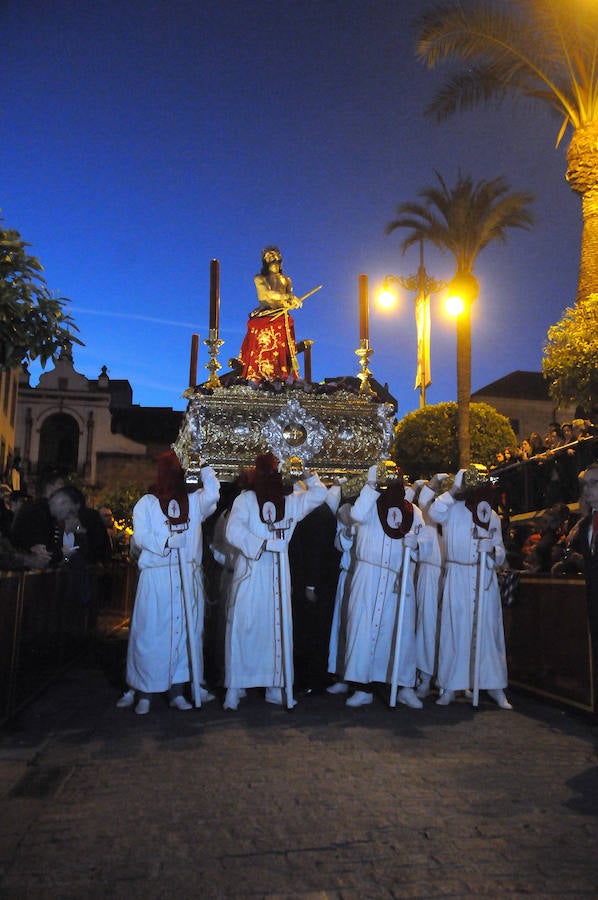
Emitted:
<point x="464" y="219"/>
<point x="536" y="48"/>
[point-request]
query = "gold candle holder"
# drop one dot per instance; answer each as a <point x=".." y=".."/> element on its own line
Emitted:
<point x="364" y="352"/>
<point x="213" y="343"/>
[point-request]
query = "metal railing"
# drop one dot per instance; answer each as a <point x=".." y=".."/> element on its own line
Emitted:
<point x="543" y="480"/>
<point x="47" y="619"/>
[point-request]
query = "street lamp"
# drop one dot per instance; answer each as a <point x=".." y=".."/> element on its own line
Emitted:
<point x="423" y="286"/>
<point x="462" y="292"/>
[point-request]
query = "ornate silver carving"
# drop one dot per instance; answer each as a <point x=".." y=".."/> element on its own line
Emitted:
<point x="340" y="433"/>
<point x="293" y="431"/>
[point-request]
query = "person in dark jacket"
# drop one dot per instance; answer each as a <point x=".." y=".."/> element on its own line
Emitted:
<point x="583" y="538"/>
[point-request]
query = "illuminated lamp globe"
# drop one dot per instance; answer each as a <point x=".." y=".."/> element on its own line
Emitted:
<point x="462" y="291"/>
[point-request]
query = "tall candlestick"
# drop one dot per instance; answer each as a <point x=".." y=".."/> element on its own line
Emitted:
<point x="214" y="296"/>
<point x="307" y="361"/>
<point x="193" y="361"/>
<point x="364" y="334"/>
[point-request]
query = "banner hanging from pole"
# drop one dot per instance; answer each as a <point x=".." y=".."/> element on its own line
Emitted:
<point x="422" y="321"/>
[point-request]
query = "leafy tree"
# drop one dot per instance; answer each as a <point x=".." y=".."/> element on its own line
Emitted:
<point x="426" y="440"/>
<point x="32" y="320"/>
<point x="544" y="50"/>
<point x="571" y="357"/>
<point x="121" y="501"/>
<point x="463" y="220"/>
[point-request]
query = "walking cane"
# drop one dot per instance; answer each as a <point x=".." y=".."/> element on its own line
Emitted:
<point x="187" y="595"/>
<point x="286" y="635"/>
<point x="286" y="627"/>
<point x="479" y="616"/>
<point x="400" y="619"/>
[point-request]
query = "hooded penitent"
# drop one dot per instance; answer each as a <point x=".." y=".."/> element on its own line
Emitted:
<point x="478" y="493"/>
<point x="478" y="501"/>
<point x="170" y="489"/>
<point x="267" y="483"/>
<point x="395" y="513"/>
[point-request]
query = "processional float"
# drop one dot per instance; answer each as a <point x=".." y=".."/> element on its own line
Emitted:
<point x="337" y="431"/>
<point x="333" y="430"/>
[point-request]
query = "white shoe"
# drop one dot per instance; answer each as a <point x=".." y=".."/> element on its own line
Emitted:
<point x="179" y="702"/>
<point x="499" y="697"/>
<point x="231" y="701"/>
<point x="445" y="698"/>
<point x="359" y="698"/>
<point x="339" y="687"/>
<point x="143" y="707"/>
<point x="408" y="697"/>
<point x="127" y="700"/>
<point x="205" y="696"/>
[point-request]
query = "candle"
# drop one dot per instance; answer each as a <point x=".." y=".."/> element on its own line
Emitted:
<point x="214" y="296"/>
<point x="363" y="309"/>
<point x="307" y="361"/>
<point x="193" y="362"/>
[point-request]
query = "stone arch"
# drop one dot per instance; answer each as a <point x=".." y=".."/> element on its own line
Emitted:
<point x="59" y="443"/>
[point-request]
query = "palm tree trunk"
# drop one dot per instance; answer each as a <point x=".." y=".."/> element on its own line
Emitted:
<point x="582" y="175"/>
<point x="463" y="384"/>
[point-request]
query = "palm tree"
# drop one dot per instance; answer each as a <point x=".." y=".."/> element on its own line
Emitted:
<point x="544" y="50"/>
<point x="463" y="220"/>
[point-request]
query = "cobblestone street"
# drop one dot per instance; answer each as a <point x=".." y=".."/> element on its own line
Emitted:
<point x="323" y="802"/>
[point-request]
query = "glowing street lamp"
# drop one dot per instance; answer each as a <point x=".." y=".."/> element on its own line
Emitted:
<point x="462" y="292"/>
<point x="423" y="286"/>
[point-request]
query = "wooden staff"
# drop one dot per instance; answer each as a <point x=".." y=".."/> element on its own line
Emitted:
<point x="286" y="627"/>
<point x="194" y="663"/>
<point x="286" y="622"/>
<point x="479" y="618"/>
<point x="400" y="620"/>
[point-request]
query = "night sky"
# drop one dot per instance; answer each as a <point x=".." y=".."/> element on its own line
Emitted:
<point x="142" y="139"/>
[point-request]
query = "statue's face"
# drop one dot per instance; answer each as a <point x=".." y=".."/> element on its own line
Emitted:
<point x="272" y="258"/>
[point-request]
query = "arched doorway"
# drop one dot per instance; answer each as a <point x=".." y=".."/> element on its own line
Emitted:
<point x="58" y="443"/>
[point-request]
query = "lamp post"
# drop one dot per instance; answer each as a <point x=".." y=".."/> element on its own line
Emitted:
<point x="423" y="286"/>
<point x="463" y="290"/>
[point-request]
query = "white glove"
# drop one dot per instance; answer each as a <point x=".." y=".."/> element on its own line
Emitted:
<point x="485" y="545"/>
<point x="373" y="474"/>
<point x="410" y="540"/>
<point x="177" y="540"/>
<point x="276" y="545"/>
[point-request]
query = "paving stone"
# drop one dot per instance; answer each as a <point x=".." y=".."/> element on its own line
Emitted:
<point x="323" y="802"/>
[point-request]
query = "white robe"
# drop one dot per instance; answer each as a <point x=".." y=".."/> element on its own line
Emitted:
<point x="373" y="599"/>
<point x="260" y="595"/>
<point x="428" y="589"/>
<point x="343" y="542"/>
<point x="157" y="655"/>
<point x="459" y="600"/>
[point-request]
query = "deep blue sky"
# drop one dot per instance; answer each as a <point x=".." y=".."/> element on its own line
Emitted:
<point x="142" y="138"/>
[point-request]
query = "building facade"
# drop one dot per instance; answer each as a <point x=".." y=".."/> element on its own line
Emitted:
<point x="88" y="427"/>
<point x="524" y="399"/>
